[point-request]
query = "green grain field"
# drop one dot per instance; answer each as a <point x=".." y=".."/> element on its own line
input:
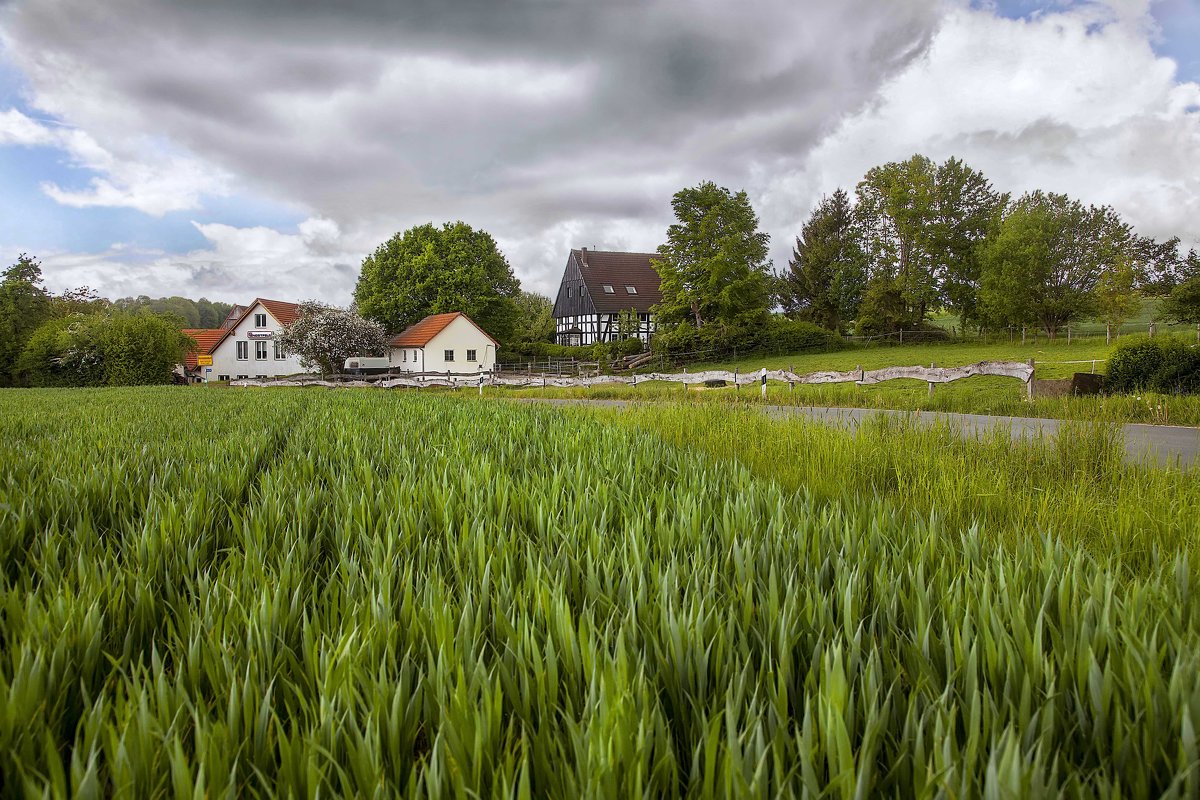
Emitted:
<point x="261" y="593"/>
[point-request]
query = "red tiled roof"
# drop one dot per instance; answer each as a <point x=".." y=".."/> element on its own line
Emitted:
<point x="205" y="339"/>
<point x="284" y="314"/>
<point x="423" y="332"/>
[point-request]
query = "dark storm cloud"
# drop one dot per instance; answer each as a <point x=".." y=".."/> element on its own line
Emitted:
<point x="518" y="115"/>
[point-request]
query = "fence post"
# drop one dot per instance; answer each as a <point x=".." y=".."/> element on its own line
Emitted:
<point x="902" y="336"/>
<point x="481" y="384"/>
<point x="735" y="383"/>
<point x="1022" y="334"/>
<point x="1107" y="334"/>
<point x="1031" y="374"/>
<point x="1153" y="326"/>
<point x="763" y="375"/>
<point x="931" y="366"/>
<point x="1068" y="334"/>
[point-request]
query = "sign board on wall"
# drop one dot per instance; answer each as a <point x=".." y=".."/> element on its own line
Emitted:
<point x="204" y="361"/>
<point x="260" y="334"/>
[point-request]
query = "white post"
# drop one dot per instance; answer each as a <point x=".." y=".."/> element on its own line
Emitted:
<point x="481" y="384"/>
<point x="931" y="366"/>
<point x="763" y="376"/>
<point x="1107" y="334"/>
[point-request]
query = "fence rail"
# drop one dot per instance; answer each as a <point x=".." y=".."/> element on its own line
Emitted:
<point x="931" y="375"/>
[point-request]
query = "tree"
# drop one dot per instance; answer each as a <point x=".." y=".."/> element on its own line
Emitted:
<point x="923" y="226"/>
<point x="714" y="266"/>
<point x="826" y="277"/>
<point x="534" y="319"/>
<point x="883" y="309"/>
<point x="24" y="306"/>
<point x="1117" y="298"/>
<point x="966" y="211"/>
<point x="1183" y="304"/>
<point x="896" y="209"/>
<point x="1044" y="264"/>
<point x="325" y="336"/>
<point x="428" y="270"/>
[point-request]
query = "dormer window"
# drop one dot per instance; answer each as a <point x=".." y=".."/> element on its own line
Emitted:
<point x="260" y="320"/>
<point x="631" y="290"/>
<point x="608" y="289"/>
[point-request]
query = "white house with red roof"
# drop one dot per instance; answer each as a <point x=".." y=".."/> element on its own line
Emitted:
<point x="443" y="343"/>
<point x="247" y="345"/>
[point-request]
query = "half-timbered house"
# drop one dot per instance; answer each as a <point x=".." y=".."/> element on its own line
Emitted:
<point x="606" y="296"/>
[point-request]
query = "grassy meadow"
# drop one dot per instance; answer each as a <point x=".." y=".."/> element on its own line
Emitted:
<point x="356" y="592"/>
<point x="978" y="395"/>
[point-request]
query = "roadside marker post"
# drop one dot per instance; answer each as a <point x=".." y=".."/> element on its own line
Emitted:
<point x="763" y="376"/>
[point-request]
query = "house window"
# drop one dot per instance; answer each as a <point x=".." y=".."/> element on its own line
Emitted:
<point x="608" y="289"/>
<point x="404" y="355"/>
<point x="449" y="356"/>
<point x="414" y="355"/>
<point x="568" y="291"/>
<point x="631" y="289"/>
<point x="242" y="377"/>
<point x="260" y="320"/>
<point x="243" y="351"/>
<point x="279" y="354"/>
<point x="260" y="351"/>
<point x="222" y="377"/>
<point x="471" y="355"/>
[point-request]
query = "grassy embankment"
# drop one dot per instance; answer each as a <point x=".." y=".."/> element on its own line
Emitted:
<point x="982" y="395"/>
<point x="373" y="593"/>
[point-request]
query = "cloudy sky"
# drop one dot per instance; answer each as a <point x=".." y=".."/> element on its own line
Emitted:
<point x="241" y="148"/>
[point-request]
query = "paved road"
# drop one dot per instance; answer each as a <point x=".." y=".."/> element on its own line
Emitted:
<point x="1161" y="444"/>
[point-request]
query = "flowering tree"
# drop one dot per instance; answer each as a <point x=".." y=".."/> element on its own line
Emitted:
<point x="325" y="336"/>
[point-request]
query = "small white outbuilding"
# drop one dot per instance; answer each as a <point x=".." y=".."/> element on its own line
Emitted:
<point x="443" y="343"/>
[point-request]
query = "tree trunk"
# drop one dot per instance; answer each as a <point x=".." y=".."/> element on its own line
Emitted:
<point x="696" y="313"/>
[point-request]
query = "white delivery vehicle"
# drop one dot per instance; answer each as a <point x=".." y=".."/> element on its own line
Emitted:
<point x="358" y="365"/>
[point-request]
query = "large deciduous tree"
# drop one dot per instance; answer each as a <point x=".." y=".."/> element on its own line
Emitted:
<point x="1044" y="264"/>
<point x="324" y="336"/>
<point x="535" y="319"/>
<point x="104" y="348"/>
<point x="714" y="266"/>
<point x="1183" y="303"/>
<point x="827" y="275"/>
<point x="431" y="270"/>
<point x="1117" y="298"/>
<point x="923" y="226"/>
<point x="24" y="306"/>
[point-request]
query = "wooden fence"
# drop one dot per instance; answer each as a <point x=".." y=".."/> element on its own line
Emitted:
<point x="931" y="375"/>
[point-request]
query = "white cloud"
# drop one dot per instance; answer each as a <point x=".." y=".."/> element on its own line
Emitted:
<point x="238" y="265"/>
<point x="158" y="181"/>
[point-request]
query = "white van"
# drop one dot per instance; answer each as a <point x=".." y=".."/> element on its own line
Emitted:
<point x="358" y="365"/>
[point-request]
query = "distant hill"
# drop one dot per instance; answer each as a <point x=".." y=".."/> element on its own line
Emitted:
<point x="202" y="313"/>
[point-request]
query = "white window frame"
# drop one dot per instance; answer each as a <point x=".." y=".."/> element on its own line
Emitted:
<point x="608" y="289"/>
<point x="448" y="356"/>
<point x="260" y="350"/>
<point x="279" y="354"/>
<point x="471" y="356"/>
<point x="630" y="289"/>
<point x="260" y="320"/>
<point x="243" y="351"/>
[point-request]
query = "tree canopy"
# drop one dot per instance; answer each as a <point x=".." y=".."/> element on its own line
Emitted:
<point x="104" y="348"/>
<point x="826" y="277"/>
<point x="324" y="336"/>
<point x="1045" y="262"/>
<point x="714" y="266"/>
<point x="430" y="270"/>
<point x="202" y="313"/>
<point x="24" y="306"/>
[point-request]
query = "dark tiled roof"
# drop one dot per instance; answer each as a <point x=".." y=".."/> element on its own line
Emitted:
<point x="618" y="270"/>
<point x="422" y="333"/>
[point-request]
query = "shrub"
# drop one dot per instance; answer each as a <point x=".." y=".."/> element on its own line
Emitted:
<point x="107" y="348"/>
<point x="777" y="334"/>
<point x="1165" y="365"/>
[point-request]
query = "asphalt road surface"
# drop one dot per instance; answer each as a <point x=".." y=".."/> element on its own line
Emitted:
<point x="1160" y="444"/>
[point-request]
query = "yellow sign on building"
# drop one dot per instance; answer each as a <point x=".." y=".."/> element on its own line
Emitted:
<point x="204" y="361"/>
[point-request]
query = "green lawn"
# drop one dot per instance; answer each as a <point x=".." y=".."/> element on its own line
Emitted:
<point x="982" y="395"/>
